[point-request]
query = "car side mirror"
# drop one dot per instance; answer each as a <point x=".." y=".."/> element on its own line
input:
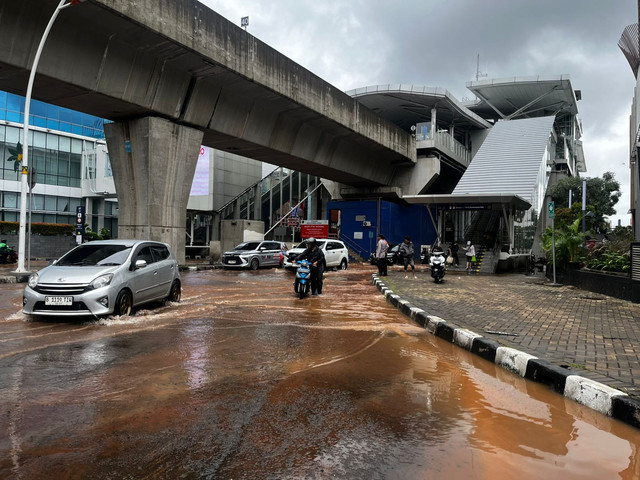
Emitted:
<point x="141" y="264"/>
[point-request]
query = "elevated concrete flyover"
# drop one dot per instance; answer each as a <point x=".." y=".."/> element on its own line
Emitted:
<point x="177" y="61"/>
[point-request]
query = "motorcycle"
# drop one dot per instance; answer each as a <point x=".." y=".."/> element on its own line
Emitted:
<point x="303" y="279"/>
<point x="8" y="255"/>
<point x="437" y="263"/>
<point x="424" y="256"/>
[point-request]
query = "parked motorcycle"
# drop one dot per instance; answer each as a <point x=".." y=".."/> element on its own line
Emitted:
<point x="303" y="279"/>
<point x="437" y="263"/>
<point x="8" y="255"/>
<point x="424" y="255"/>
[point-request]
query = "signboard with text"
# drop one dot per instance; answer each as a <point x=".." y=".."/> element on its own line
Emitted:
<point x="314" y="228"/>
<point x="80" y="220"/>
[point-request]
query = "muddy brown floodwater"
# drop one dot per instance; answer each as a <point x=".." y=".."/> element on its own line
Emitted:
<point x="242" y="380"/>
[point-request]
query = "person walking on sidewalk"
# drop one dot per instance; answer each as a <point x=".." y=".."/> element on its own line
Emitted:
<point x="406" y="251"/>
<point x="470" y="254"/>
<point x="381" y="255"/>
<point x="453" y="251"/>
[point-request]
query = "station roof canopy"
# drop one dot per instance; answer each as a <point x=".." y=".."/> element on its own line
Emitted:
<point x="518" y="97"/>
<point x="408" y="105"/>
<point x="494" y="201"/>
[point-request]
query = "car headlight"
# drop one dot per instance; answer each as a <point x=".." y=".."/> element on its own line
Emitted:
<point x="102" y="280"/>
<point x="33" y="280"/>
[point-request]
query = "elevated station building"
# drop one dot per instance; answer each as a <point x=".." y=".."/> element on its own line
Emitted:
<point x="484" y="166"/>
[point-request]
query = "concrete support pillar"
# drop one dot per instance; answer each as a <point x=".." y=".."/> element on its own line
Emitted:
<point x="153" y="162"/>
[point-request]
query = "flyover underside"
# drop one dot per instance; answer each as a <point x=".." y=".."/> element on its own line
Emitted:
<point x="124" y="60"/>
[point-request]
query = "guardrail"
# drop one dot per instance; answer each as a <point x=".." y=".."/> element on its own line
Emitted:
<point x="358" y="249"/>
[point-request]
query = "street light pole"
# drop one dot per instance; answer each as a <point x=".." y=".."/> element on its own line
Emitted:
<point x="25" y="149"/>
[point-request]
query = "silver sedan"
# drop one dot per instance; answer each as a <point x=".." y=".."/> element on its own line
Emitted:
<point x="103" y="278"/>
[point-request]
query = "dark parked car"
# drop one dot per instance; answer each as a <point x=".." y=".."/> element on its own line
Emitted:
<point x="392" y="255"/>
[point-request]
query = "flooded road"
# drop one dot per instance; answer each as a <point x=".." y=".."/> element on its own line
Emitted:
<point x="242" y="380"/>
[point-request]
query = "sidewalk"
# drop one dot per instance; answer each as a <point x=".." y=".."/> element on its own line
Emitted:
<point x="593" y="336"/>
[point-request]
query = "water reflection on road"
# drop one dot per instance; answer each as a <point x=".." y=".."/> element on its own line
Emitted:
<point x="243" y="380"/>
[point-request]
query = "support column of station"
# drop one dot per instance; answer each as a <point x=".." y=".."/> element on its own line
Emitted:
<point x="153" y="162"/>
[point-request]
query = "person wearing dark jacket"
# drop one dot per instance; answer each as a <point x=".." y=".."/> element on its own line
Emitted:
<point x="406" y="251"/>
<point x="314" y="255"/>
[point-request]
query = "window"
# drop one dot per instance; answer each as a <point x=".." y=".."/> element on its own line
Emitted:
<point x="144" y="254"/>
<point x="160" y="253"/>
<point x="50" y="203"/>
<point x="110" y="208"/>
<point x="37" y="202"/>
<point x="107" y="166"/>
<point x="10" y="200"/>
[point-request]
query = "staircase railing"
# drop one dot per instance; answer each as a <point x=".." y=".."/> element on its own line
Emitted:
<point x="363" y="253"/>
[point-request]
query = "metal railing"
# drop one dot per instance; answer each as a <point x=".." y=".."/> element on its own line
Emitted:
<point x="445" y="143"/>
<point x="358" y="249"/>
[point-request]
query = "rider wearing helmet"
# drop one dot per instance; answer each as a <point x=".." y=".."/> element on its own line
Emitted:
<point x="315" y="256"/>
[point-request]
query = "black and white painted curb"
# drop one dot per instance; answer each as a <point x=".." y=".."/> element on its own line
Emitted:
<point x="590" y="393"/>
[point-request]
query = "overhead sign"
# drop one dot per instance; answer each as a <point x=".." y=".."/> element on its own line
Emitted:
<point x="467" y="207"/>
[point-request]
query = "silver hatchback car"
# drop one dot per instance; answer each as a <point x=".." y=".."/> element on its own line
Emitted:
<point x="102" y="278"/>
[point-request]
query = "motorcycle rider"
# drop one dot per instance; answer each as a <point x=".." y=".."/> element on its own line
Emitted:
<point x="3" y="246"/>
<point x="315" y="256"/>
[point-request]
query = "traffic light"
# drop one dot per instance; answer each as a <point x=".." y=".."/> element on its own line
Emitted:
<point x="32" y="178"/>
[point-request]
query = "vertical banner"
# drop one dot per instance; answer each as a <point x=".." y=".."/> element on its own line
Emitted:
<point x="200" y="185"/>
<point x="80" y="221"/>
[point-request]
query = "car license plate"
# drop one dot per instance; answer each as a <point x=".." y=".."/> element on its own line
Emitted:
<point x="58" y="300"/>
<point x="231" y="261"/>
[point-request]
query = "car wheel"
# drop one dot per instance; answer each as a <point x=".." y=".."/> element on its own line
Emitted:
<point x="254" y="264"/>
<point x="175" y="294"/>
<point x="344" y="264"/>
<point x="124" y="304"/>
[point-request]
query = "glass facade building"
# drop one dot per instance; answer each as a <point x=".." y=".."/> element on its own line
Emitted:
<point x="58" y="138"/>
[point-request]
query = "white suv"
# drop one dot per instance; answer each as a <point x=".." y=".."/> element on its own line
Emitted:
<point x="335" y="254"/>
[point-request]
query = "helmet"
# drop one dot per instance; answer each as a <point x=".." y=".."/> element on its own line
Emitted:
<point x="311" y="242"/>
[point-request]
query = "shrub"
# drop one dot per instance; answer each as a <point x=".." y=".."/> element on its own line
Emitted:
<point x="610" y="262"/>
<point x="46" y="229"/>
<point x="613" y="255"/>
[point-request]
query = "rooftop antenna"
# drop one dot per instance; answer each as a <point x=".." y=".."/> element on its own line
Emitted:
<point x="479" y="74"/>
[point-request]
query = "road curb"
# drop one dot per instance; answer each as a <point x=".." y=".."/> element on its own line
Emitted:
<point x="597" y="396"/>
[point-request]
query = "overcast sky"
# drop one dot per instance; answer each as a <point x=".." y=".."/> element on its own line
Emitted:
<point x="435" y="43"/>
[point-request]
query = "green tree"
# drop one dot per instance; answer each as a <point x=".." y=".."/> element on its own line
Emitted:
<point x="602" y="194"/>
<point x="569" y="240"/>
